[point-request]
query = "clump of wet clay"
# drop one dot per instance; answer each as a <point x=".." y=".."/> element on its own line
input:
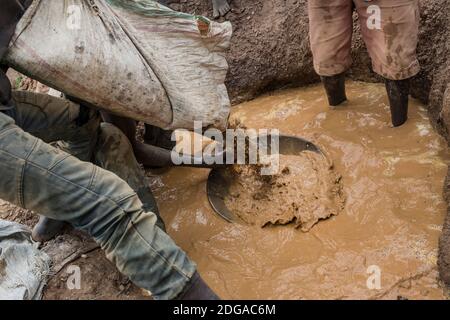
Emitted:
<point x="305" y="190"/>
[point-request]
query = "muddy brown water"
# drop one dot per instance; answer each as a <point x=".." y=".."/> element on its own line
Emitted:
<point x="394" y="211"/>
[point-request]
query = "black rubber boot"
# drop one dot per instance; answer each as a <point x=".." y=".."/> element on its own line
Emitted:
<point x="197" y="289"/>
<point x="11" y="11"/>
<point x="335" y="89"/>
<point x="398" y="93"/>
<point x="159" y="137"/>
<point x="149" y="205"/>
<point x="165" y="2"/>
<point x="46" y="229"/>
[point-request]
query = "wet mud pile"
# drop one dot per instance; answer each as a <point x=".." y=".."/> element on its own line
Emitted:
<point x="306" y="189"/>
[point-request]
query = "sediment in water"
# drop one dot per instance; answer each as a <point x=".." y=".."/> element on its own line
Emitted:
<point x="306" y="189"/>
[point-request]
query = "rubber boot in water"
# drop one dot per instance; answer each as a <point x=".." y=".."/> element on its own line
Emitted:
<point x="197" y="289"/>
<point x="335" y="88"/>
<point x="46" y="229"/>
<point x="398" y="93"/>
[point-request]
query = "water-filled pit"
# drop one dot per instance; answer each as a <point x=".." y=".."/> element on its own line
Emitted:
<point x="392" y="181"/>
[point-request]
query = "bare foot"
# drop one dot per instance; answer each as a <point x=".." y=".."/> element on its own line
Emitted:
<point x="220" y="8"/>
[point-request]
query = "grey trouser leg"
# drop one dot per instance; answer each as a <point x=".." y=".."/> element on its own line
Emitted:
<point x="114" y="153"/>
<point x="47" y="180"/>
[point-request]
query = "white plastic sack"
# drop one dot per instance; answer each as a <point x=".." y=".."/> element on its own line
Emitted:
<point x="135" y="58"/>
<point x="23" y="268"/>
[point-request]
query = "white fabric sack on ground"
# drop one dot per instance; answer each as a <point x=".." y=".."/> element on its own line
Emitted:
<point x="23" y="268"/>
<point x="134" y="58"/>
